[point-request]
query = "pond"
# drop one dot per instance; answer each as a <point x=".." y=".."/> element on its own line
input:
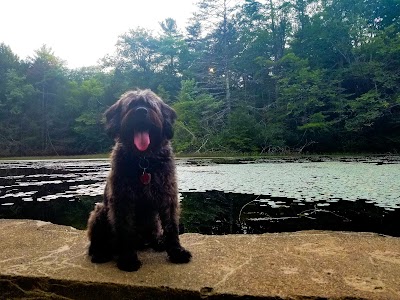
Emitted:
<point x="225" y="195"/>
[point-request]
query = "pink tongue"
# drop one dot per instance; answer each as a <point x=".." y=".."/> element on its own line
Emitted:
<point x="141" y="140"/>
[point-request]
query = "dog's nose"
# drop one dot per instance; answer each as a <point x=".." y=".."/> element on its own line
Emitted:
<point x="142" y="111"/>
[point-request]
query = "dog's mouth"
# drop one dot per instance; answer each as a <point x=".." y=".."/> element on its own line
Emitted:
<point x="141" y="139"/>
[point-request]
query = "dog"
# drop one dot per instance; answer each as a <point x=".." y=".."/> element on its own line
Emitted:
<point x="140" y="206"/>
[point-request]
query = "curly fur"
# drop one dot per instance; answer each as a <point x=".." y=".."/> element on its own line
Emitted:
<point x="134" y="215"/>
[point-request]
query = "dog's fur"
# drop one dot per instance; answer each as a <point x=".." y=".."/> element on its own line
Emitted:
<point x="134" y="215"/>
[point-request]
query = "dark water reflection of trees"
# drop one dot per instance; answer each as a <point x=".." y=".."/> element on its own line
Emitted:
<point x="64" y="192"/>
<point x="63" y="211"/>
<point x="216" y="212"/>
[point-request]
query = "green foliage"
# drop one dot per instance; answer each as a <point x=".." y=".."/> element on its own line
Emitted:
<point x="365" y="110"/>
<point x="198" y="121"/>
<point x="250" y="76"/>
<point x="17" y="93"/>
<point x="86" y="102"/>
<point x="242" y="133"/>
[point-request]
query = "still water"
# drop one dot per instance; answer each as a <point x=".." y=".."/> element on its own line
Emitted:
<point x="220" y="197"/>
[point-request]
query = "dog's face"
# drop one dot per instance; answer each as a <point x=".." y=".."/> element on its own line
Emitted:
<point x="141" y="120"/>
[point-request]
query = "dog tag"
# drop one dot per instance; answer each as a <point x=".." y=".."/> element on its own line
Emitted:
<point x="145" y="178"/>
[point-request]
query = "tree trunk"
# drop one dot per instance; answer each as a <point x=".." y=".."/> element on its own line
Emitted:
<point x="226" y="64"/>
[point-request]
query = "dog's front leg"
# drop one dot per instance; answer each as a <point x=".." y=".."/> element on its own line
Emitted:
<point x="126" y="238"/>
<point x="169" y="220"/>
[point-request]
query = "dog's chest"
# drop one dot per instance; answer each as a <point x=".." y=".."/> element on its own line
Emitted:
<point x="148" y="191"/>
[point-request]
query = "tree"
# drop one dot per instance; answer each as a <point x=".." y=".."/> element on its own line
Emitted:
<point x="8" y="60"/>
<point x="198" y="121"/>
<point x="47" y="75"/>
<point x="242" y="132"/>
<point x="17" y="95"/>
<point x="172" y="51"/>
<point x="87" y="104"/>
<point x="217" y="18"/>
<point x="248" y="76"/>
<point x="137" y="59"/>
<point x="309" y="101"/>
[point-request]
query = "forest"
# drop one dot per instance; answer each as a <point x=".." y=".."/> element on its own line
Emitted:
<point x="245" y="76"/>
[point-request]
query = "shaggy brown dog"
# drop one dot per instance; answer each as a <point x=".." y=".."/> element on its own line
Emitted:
<point x="141" y="194"/>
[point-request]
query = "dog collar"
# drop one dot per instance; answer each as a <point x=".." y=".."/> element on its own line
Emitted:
<point x="144" y="164"/>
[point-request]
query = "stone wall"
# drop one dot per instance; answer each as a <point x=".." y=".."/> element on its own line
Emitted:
<point x="40" y="260"/>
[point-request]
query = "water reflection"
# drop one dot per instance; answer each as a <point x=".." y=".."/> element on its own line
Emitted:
<point x="215" y="212"/>
<point x="267" y="197"/>
<point x="62" y="211"/>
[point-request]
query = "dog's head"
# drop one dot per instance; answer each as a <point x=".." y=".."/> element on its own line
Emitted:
<point x="141" y="120"/>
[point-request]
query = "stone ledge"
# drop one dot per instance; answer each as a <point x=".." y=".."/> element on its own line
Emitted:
<point x="40" y="260"/>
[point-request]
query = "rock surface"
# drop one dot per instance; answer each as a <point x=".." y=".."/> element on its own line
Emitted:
<point x="40" y="260"/>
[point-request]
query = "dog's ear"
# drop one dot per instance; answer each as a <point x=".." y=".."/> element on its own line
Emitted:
<point x="113" y="119"/>
<point x="169" y="116"/>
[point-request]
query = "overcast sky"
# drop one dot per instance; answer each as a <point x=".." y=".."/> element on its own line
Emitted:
<point x="82" y="31"/>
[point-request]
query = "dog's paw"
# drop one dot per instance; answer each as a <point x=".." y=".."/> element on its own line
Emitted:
<point x="179" y="255"/>
<point x="100" y="258"/>
<point x="128" y="264"/>
<point x="100" y="255"/>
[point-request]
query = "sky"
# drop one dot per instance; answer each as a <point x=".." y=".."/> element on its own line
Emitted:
<point x="81" y="32"/>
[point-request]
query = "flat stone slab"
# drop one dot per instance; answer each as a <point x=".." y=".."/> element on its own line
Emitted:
<point x="40" y="260"/>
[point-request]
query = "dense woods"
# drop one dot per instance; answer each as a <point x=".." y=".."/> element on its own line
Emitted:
<point x="270" y="76"/>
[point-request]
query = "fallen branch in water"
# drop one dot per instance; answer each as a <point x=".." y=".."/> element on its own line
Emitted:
<point x="303" y="214"/>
